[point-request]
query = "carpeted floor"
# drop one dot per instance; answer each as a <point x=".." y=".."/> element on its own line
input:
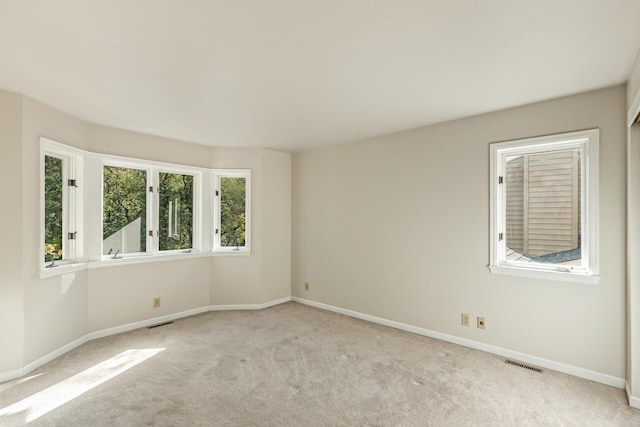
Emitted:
<point x="293" y="365"/>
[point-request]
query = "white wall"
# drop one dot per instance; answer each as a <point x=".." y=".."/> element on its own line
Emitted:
<point x="11" y="286"/>
<point x="40" y="316"/>
<point x="266" y="275"/>
<point x="120" y="295"/>
<point x="55" y="309"/>
<point x="398" y="227"/>
<point x="633" y="238"/>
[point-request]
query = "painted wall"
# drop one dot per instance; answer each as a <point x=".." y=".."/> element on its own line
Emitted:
<point x="398" y="227"/>
<point x="11" y="286"/>
<point x="55" y="309"/>
<point x="633" y="88"/>
<point x="633" y="265"/>
<point x="633" y="239"/>
<point x="120" y="295"/>
<point x="40" y="316"/>
<point x="275" y="199"/>
<point x="266" y="275"/>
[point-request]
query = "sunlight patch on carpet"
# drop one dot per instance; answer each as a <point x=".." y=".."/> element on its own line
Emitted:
<point x="39" y="404"/>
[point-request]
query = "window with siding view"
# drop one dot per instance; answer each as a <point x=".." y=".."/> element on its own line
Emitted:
<point x="543" y="207"/>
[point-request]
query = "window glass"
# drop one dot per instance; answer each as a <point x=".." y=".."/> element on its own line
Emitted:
<point x="53" y="220"/>
<point x="124" y="210"/>
<point x="176" y="211"/>
<point x="543" y="207"/>
<point x="233" y="192"/>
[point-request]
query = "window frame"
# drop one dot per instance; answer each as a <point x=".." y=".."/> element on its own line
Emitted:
<point x="218" y="174"/>
<point x="72" y="202"/>
<point x="153" y="170"/>
<point x="196" y="229"/>
<point x="119" y="163"/>
<point x="588" y="141"/>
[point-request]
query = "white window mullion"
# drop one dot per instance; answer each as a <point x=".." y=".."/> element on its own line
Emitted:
<point x="153" y="198"/>
<point x="216" y="210"/>
<point x="66" y="243"/>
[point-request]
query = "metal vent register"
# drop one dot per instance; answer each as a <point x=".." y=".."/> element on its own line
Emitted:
<point x="523" y="365"/>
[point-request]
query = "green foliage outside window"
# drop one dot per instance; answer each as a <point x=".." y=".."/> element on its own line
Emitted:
<point x="232" y="211"/>
<point x="125" y="200"/>
<point x="176" y="211"/>
<point x="52" y="208"/>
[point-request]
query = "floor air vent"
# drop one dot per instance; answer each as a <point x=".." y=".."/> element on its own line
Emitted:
<point x="522" y="365"/>
<point x="158" y="325"/>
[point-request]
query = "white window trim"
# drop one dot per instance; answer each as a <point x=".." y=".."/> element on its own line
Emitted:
<point x="87" y="168"/>
<point x="72" y="203"/>
<point x="231" y="173"/>
<point x="196" y="237"/>
<point x="153" y="169"/>
<point x="589" y="140"/>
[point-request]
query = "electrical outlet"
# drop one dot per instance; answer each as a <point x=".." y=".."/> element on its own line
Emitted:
<point x="464" y="319"/>
<point x="306" y="286"/>
<point x="156" y="302"/>
<point x="481" y="323"/>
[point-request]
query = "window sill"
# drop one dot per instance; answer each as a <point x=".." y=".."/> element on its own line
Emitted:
<point x="231" y="252"/>
<point x="62" y="269"/>
<point x="143" y="259"/>
<point x="561" y="276"/>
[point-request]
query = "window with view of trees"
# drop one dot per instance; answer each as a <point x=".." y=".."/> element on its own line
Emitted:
<point x="62" y="204"/>
<point x="176" y="211"/>
<point x="124" y="227"/>
<point x="232" y="209"/>
<point x="148" y="208"/>
<point x="53" y="219"/>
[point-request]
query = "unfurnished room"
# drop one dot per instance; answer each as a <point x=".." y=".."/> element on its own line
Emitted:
<point x="320" y="213"/>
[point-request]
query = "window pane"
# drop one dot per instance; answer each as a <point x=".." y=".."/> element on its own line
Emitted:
<point x="52" y="208"/>
<point x="232" y="211"/>
<point x="124" y="210"/>
<point x="543" y="207"/>
<point x="176" y="211"/>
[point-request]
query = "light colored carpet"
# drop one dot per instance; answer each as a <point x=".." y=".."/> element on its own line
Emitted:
<point x="293" y="365"/>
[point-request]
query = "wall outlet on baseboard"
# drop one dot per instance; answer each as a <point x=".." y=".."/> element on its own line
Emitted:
<point x="306" y="286"/>
<point x="464" y="319"/>
<point x="481" y="323"/>
<point x="156" y="302"/>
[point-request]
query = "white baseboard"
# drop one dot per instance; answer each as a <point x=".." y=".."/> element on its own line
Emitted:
<point x="11" y="375"/>
<point x="17" y="373"/>
<point x="634" y="402"/>
<point x="534" y="360"/>
<point x="144" y="323"/>
<point x="249" y="306"/>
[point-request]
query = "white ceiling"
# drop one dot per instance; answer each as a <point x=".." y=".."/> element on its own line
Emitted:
<point x="298" y="74"/>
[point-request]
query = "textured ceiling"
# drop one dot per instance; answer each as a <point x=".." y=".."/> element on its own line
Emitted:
<point x="298" y="74"/>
